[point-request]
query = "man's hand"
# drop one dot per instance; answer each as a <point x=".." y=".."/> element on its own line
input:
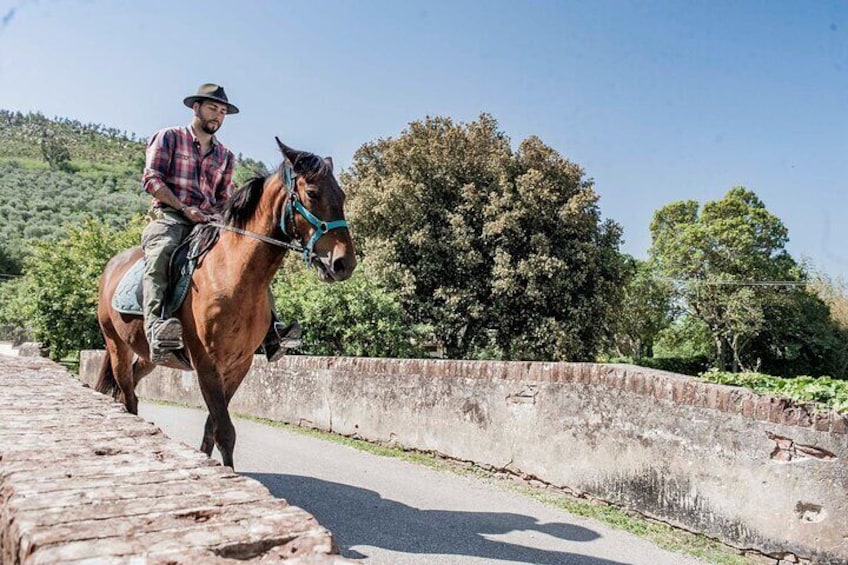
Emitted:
<point x="195" y="215"/>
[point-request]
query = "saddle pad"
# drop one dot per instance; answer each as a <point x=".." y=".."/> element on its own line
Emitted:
<point x="127" y="298"/>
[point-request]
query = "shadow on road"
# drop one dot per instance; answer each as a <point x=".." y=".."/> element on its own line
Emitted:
<point x="358" y="516"/>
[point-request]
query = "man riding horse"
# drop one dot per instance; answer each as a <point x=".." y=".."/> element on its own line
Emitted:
<point x="189" y="174"/>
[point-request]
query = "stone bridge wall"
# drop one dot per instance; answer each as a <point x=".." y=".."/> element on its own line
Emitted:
<point x="82" y="480"/>
<point x="755" y="471"/>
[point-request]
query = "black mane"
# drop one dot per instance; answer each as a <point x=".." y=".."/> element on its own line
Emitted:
<point x="242" y="204"/>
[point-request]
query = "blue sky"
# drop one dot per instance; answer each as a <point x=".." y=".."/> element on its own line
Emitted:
<point x="657" y="101"/>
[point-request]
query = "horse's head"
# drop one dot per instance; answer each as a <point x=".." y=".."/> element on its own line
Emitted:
<point x="315" y="213"/>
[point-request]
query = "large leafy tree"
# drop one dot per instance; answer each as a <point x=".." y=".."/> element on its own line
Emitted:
<point x="715" y="251"/>
<point x="492" y="248"/>
<point x="720" y="255"/>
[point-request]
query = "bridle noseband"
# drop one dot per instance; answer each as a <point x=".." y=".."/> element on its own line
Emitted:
<point x="293" y="205"/>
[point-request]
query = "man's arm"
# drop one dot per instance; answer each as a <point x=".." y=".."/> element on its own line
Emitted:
<point x="157" y="162"/>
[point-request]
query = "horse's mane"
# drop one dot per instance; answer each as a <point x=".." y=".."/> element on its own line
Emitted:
<point x="242" y="204"/>
<point x="310" y="166"/>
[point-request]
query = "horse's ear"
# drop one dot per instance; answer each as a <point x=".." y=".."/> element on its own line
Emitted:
<point x="288" y="152"/>
<point x="329" y="161"/>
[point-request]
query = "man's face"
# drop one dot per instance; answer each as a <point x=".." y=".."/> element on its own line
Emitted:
<point x="210" y="115"/>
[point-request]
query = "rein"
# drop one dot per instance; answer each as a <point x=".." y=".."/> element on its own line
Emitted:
<point x="321" y="227"/>
<point x="259" y="236"/>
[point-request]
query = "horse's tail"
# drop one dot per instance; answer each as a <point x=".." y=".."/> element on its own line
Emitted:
<point x="106" y="383"/>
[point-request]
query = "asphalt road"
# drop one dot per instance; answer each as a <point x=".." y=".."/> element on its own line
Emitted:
<point x="385" y="511"/>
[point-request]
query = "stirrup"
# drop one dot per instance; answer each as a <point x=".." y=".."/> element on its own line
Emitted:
<point x="164" y="339"/>
<point x="290" y="336"/>
<point x="170" y="330"/>
<point x="280" y="338"/>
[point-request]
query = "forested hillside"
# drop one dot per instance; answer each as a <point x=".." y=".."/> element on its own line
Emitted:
<point x="58" y="172"/>
<point x="23" y="137"/>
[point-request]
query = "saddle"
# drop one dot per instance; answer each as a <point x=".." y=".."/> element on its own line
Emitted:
<point x="128" y="297"/>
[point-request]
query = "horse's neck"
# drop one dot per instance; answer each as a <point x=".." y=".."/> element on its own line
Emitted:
<point x="249" y="264"/>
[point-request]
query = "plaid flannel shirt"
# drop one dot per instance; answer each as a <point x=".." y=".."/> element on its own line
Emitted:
<point x="173" y="160"/>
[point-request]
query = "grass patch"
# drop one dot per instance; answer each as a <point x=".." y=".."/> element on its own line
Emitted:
<point x="663" y="535"/>
<point x="26" y="163"/>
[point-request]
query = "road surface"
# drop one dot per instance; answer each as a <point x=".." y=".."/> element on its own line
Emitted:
<point x="386" y="511"/>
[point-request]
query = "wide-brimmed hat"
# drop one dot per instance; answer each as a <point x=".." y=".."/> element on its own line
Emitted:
<point x="212" y="92"/>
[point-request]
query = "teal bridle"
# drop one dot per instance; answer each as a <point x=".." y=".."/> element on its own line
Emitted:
<point x="294" y="205"/>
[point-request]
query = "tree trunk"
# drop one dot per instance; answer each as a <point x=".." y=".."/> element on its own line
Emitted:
<point x="721" y="353"/>
<point x="734" y="348"/>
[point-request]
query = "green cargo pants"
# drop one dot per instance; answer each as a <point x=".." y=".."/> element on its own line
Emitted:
<point x="162" y="235"/>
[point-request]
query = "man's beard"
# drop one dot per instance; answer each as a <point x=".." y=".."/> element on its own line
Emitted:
<point x="208" y="127"/>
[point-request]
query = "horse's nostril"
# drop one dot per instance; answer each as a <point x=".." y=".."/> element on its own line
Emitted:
<point x="339" y="265"/>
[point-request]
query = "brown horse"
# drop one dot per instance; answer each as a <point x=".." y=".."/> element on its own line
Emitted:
<point x="227" y="311"/>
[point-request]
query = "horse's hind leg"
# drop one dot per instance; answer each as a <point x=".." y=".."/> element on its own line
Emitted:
<point x="208" y="442"/>
<point x="141" y="368"/>
<point x="122" y="367"/>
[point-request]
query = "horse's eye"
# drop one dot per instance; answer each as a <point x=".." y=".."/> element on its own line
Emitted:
<point x="312" y="193"/>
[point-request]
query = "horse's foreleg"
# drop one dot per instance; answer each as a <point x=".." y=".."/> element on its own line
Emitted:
<point x="223" y="431"/>
<point x="225" y="437"/>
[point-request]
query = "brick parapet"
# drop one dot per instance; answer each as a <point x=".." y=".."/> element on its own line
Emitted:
<point x="80" y="479"/>
<point x="660" y="385"/>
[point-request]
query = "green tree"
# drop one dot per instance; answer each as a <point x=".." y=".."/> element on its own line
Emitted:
<point x="482" y="242"/>
<point x="55" y="151"/>
<point x="686" y="337"/>
<point x="357" y="317"/>
<point x="14" y="314"/>
<point x="718" y="253"/>
<point x="246" y="169"/>
<point x="646" y="310"/>
<point x="61" y="283"/>
<point x="801" y="337"/>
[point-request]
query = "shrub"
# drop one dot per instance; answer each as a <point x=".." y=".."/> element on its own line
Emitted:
<point x="829" y="393"/>
<point x="358" y="317"/>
